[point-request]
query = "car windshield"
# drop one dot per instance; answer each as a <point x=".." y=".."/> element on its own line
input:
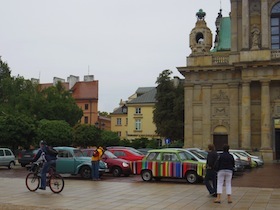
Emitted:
<point x="78" y="153"/>
<point x="200" y="154"/>
<point x="110" y="154"/>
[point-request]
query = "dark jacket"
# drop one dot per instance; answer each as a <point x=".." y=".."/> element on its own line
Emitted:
<point x="226" y="161"/>
<point x="48" y="157"/>
<point x="211" y="159"/>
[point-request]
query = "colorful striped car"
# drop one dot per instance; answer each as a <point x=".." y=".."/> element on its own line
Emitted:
<point x="168" y="163"/>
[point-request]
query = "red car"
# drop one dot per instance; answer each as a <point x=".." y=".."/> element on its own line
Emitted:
<point x="126" y="153"/>
<point x="117" y="166"/>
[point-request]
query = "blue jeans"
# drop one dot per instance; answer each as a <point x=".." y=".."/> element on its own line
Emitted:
<point x="95" y="169"/>
<point x="210" y="181"/>
<point x="45" y="169"/>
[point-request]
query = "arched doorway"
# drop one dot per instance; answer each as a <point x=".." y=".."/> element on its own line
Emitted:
<point x="220" y="137"/>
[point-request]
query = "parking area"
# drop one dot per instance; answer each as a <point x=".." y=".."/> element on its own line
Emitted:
<point x="132" y="193"/>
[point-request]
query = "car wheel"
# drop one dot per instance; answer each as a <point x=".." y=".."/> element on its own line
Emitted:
<point x="146" y="175"/>
<point x="11" y="165"/>
<point x="117" y="171"/>
<point x="191" y="177"/>
<point x="85" y="172"/>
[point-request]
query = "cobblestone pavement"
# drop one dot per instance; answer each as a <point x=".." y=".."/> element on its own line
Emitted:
<point x="136" y="194"/>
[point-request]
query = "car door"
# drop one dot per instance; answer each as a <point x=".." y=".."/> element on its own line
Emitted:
<point x="65" y="163"/>
<point x="170" y="165"/>
<point x="2" y="157"/>
<point x="9" y="156"/>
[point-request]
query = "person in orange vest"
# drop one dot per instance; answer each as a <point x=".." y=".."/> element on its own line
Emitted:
<point x="96" y="157"/>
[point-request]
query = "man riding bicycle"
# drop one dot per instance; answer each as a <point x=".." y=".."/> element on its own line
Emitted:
<point x="48" y="156"/>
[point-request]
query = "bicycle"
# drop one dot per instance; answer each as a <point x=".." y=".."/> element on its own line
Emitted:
<point x="54" y="180"/>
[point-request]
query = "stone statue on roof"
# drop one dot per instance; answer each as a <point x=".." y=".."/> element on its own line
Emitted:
<point x="200" y="15"/>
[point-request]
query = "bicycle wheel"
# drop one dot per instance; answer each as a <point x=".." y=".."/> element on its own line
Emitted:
<point x="56" y="183"/>
<point x="32" y="182"/>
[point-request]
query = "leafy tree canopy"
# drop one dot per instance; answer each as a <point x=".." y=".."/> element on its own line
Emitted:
<point x="169" y="109"/>
<point x="54" y="132"/>
<point x="86" y="135"/>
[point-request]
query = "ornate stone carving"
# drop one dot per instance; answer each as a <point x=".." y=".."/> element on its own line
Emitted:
<point x="255" y="36"/>
<point x="220" y="96"/>
<point x="219" y="111"/>
<point x="255" y="7"/>
<point x="221" y="122"/>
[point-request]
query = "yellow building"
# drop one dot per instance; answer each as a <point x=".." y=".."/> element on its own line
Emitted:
<point x="134" y="118"/>
<point x="232" y="91"/>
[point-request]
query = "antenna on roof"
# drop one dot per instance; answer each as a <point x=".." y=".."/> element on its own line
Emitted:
<point x="220" y="4"/>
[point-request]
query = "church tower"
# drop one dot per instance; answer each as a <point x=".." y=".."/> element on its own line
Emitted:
<point x="232" y="91"/>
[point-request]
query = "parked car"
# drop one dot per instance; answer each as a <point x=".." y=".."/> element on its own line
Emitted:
<point x="144" y="151"/>
<point x="73" y="161"/>
<point x="117" y="166"/>
<point x="26" y="156"/>
<point x="169" y="163"/>
<point x="126" y="154"/>
<point x="7" y="158"/>
<point x="255" y="160"/>
<point x="123" y="147"/>
<point x="199" y="155"/>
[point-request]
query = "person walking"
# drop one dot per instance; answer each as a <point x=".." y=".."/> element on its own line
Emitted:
<point x="210" y="179"/>
<point x="225" y="171"/>
<point x="96" y="157"/>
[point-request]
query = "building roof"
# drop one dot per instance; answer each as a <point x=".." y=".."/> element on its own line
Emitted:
<point x="118" y="111"/>
<point x="224" y="43"/>
<point x="85" y="90"/>
<point x="148" y="97"/>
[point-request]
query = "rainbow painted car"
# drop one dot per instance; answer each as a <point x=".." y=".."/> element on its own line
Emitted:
<point x="169" y="163"/>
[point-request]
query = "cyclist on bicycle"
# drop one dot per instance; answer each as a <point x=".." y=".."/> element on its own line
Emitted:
<point x="49" y="157"/>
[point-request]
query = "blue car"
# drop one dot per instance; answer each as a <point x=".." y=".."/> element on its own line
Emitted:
<point x="72" y="161"/>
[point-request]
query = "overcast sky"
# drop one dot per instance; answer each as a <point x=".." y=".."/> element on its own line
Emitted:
<point x="125" y="44"/>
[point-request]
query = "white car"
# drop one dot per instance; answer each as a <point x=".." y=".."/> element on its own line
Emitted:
<point x="7" y="158"/>
<point x="257" y="160"/>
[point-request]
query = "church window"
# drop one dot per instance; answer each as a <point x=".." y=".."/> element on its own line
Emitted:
<point x="275" y="26"/>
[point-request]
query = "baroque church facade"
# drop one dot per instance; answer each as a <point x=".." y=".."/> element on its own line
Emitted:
<point x="232" y="88"/>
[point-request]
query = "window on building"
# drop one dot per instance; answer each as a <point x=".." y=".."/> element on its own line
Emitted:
<point x="138" y="125"/>
<point x="86" y="120"/>
<point x="138" y="110"/>
<point x="86" y="106"/>
<point x="119" y="121"/>
<point x="275" y="26"/>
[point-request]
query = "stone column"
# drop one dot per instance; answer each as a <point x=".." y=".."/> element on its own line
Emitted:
<point x="188" y="131"/>
<point x="234" y="29"/>
<point x="245" y="24"/>
<point x="246" y="116"/>
<point x="265" y="24"/>
<point x="233" y="115"/>
<point x="265" y="117"/>
<point x="206" y="115"/>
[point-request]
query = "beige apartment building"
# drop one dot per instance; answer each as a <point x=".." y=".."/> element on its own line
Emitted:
<point x="232" y="87"/>
<point x="134" y="118"/>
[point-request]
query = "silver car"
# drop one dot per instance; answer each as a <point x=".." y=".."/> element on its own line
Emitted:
<point x="7" y="158"/>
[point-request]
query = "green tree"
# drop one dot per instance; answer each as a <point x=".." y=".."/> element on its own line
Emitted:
<point x="109" y="138"/>
<point x="86" y="135"/>
<point x="169" y="109"/>
<point x="55" y="132"/>
<point x="56" y="103"/>
<point x="16" y="130"/>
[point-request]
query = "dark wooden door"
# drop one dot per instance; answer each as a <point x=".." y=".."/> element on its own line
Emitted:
<point x="219" y="141"/>
<point x="277" y="143"/>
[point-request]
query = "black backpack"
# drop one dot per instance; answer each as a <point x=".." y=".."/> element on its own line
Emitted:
<point x="51" y="151"/>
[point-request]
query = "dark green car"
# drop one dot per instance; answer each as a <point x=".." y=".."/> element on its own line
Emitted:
<point x="72" y="161"/>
